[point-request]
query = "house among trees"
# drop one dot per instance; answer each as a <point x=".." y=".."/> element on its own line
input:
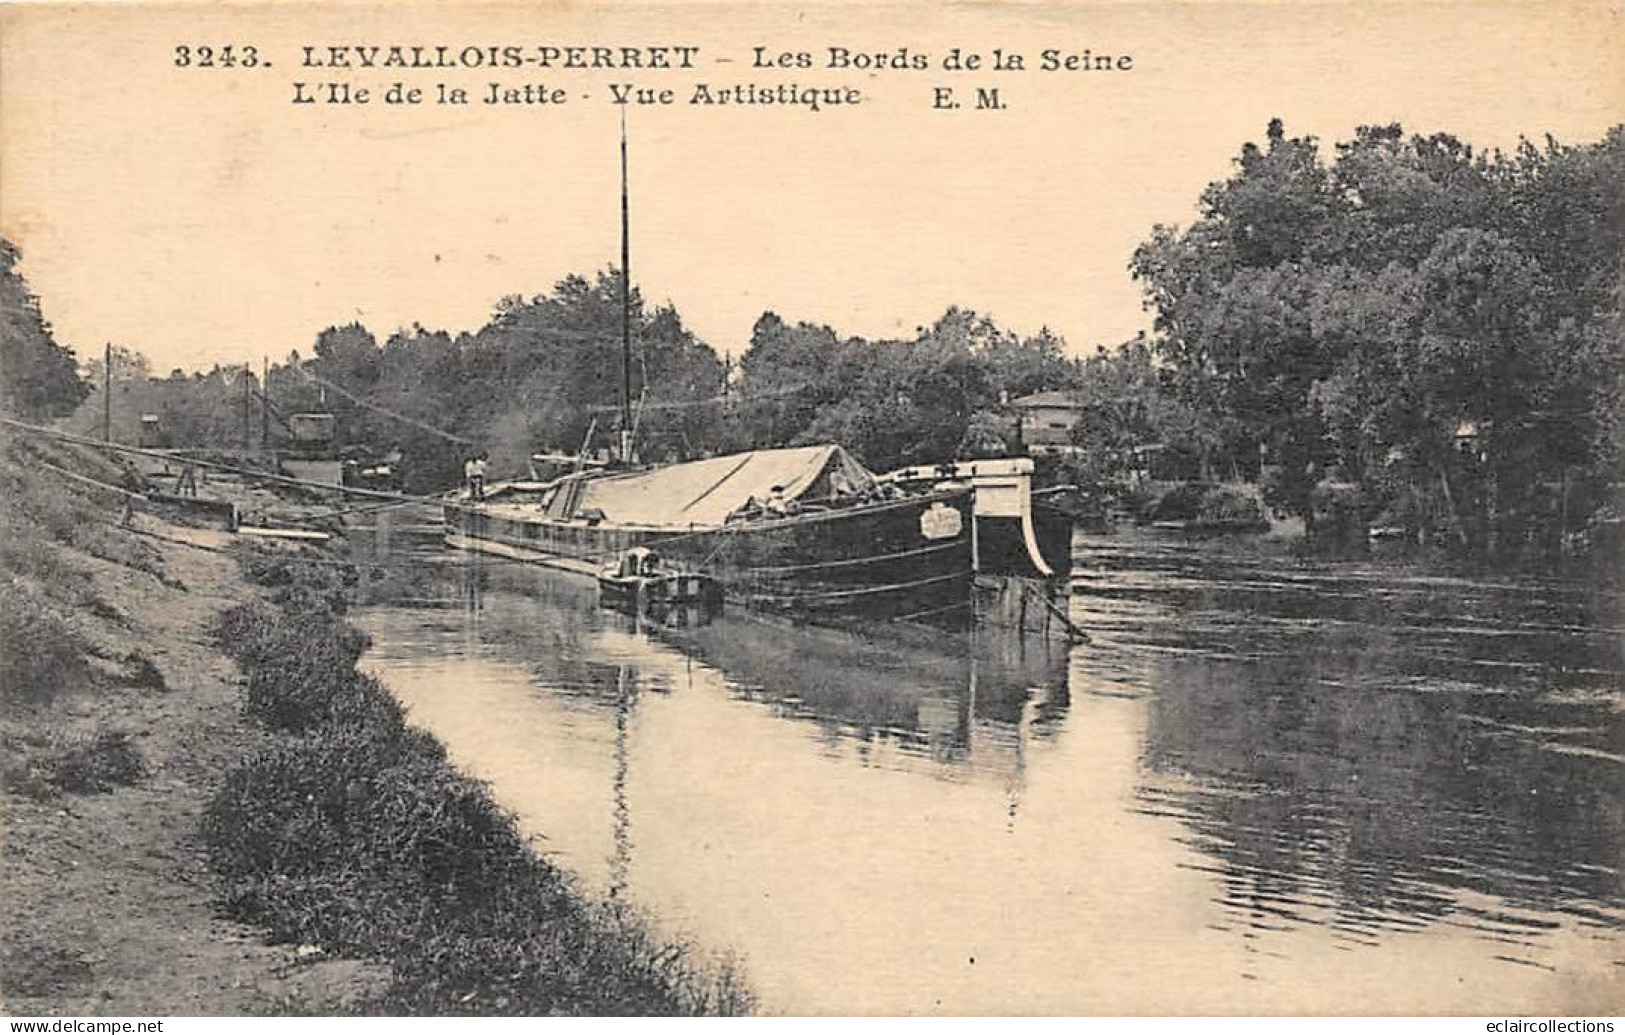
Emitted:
<point x="1044" y="421"/>
<point x="152" y="434"/>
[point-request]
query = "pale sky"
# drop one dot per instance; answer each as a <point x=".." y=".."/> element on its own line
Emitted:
<point x="200" y="217"/>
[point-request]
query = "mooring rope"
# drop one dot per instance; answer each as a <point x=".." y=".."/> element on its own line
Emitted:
<point x="85" y="478"/>
<point x="875" y="558"/>
<point x="932" y="611"/>
<point x="845" y="594"/>
<point x="403" y="418"/>
<point x="248" y="472"/>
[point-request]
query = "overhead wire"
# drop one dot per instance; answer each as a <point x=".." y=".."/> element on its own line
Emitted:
<point x="384" y="410"/>
<point x="712" y="400"/>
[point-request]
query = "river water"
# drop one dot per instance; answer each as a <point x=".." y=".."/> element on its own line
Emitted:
<point x="1264" y="786"/>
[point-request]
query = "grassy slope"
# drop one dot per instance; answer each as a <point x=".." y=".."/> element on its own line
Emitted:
<point x="116" y="719"/>
<point x="132" y="780"/>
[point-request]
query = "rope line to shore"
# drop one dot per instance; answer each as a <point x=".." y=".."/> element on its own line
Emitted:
<point x="875" y="558"/>
<point x="438" y="501"/>
<point x="247" y="472"/>
<point x="843" y="594"/>
<point x="478" y="559"/>
<point x="86" y="479"/>
<point x="400" y="498"/>
<point x="403" y="418"/>
<point x="368" y="508"/>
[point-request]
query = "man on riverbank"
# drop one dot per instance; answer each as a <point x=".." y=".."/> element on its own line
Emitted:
<point x="474" y="476"/>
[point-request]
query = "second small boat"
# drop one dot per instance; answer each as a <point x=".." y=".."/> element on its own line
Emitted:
<point x="640" y="582"/>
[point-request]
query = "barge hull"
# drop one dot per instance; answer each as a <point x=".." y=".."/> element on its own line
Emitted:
<point x="909" y="559"/>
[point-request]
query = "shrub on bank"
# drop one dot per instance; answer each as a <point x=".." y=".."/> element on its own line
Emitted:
<point x="300" y="663"/>
<point x="288" y="808"/>
<point x="245" y="632"/>
<point x="90" y="763"/>
<point x="96" y="764"/>
<point x="1202" y="503"/>
<point x="258" y="635"/>
<point x="141" y="673"/>
<point x="304" y="582"/>
<point x="265" y="566"/>
<point x="353" y="833"/>
<point x="584" y="960"/>
<point x="42" y="656"/>
<point x="1228" y="507"/>
<point x="299" y="577"/>
<point x="314" y="681"/>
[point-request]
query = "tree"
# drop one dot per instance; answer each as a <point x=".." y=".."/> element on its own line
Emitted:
<point x="348" y="355"/>
<point x="559" y="358"/>
<point x="893" y="403"/>
<point x="1399" y="194"/>
<point x="1126" y="405"/>
<point x="788" y="375"/>
<point x="128" y="365"/>
<point x="900" y="403"/>
<point x="38" y="377"/>
<point x="539" y="374"/>
<point x="1232" y="297"/>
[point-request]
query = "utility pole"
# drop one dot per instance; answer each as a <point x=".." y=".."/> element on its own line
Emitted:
<point x="248" y="388"/>
<point x="265" y="404"/>
<point x="107" y="392"/>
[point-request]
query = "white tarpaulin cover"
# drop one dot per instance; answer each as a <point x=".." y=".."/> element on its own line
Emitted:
<point x="705" y="492"/>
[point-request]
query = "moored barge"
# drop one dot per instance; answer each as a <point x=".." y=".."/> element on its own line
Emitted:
<point x="804" y="532"/>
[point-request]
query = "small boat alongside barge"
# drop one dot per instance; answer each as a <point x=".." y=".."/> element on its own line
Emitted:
<point x="640" y="583"/>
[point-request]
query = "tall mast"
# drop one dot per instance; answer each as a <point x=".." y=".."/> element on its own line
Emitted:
<point x="626" y="308"/>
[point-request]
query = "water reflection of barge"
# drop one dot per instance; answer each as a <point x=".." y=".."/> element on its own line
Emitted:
<point x="902" y="680"/>
<point x="805" y="532"/>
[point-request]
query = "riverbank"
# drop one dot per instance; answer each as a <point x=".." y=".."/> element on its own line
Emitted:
<point x="117" y="717"/>
<point x="159" y="838"/>
<point x="351" y="833"/>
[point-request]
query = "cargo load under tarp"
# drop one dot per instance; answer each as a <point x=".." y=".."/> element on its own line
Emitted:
<point x="704" y="492"/>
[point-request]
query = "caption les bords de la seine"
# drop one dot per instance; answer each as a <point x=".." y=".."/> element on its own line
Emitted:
<point x="557" y="74"/>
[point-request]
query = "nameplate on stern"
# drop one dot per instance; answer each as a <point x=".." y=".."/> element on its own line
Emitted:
<point x="940" y="521"/>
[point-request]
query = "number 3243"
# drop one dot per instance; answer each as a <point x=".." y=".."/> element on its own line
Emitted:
<point x="229" y="56"/>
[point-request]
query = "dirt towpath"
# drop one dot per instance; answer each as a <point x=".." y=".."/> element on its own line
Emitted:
<point x="107" y="900"/>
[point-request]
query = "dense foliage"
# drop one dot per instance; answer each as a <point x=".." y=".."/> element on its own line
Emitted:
<point x="545" y="373"/>
<point x="891" y="403"/>
<point x="1436" y="325"/>
<point x="38" y="377"/>
<point x="539" y="374"/>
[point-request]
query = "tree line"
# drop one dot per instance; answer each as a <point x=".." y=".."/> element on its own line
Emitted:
<point x="1413" y="329"/>
<point x="545" y="372"/>
<point x="1398" y="331"/>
